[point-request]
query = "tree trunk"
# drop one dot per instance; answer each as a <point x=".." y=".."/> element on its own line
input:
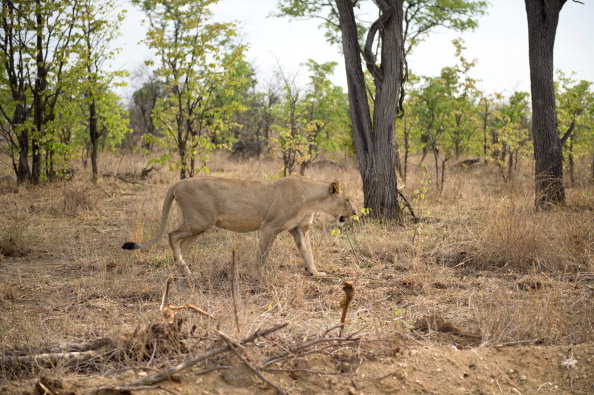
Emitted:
<point x="375" y="141"/>
<point x="571" y="162"/>
<point x="38" y="97"/>
<point x="23" y="171"/>
<point x="94" y="136"/>
<point x="543" y="17"/>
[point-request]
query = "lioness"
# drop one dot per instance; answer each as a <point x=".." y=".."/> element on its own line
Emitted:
<point x="245" y="206"/>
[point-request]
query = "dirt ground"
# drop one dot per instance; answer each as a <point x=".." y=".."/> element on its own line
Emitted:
<point x="422" y="369"/>
<point x="423" y="320"/>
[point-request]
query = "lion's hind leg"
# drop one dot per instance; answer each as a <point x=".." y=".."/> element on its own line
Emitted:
<point x="180" y="241"/>
<point x="187" y="243"/>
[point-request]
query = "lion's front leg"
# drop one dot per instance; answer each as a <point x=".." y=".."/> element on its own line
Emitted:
<point x="301" y="236"/>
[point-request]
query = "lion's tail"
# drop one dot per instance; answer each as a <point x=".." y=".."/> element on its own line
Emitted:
<point x="130" y="245"/>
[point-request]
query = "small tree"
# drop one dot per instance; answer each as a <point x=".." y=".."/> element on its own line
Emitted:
<point x="142" y="103"/>
<point x="446" y="110"/>
<point x="575" y="112"/>
<point x="195" y="61"/>
<point x="312" y="117"/>
<point x="510" y="134"/>
<point x="326" y="109"/>
<point x="98" y="30"/>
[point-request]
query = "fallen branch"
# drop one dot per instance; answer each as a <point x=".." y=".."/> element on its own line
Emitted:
<point x="407" y="204"/>
<point x="61" y="354"/>
<point x="166" y="374"/>
<point x="167" y="309"/>
<point x="121" y="178"/>
<point x="308" y="344"/>
<point x="124" y="389"/>
<point x="49" y="359"/>
<point x="145" y="172"/>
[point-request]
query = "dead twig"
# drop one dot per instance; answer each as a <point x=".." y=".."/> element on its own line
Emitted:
<point x="306" y="345"/>
<point x="124" y="389"/>
<point x="119" y="178"/>
<point x="50" y="359"/>
<point x="349" y="292"/>
<point x="408" y="205"/>
<point x="309" y="371"/>
<point x="234" y="347"/>
<point x="192" y="307"/>
<point x="167" y="309"/>
<point x="167" y="373"/>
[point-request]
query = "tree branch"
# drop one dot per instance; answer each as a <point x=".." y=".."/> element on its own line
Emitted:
<point x="386" y="13"/>
<point x="568" y="133"/>
<point x="188" y="363"/>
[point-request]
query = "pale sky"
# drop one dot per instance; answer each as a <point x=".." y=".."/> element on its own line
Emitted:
<point x="500" y="43"/>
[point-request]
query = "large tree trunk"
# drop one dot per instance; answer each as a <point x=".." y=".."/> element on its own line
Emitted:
<point x="375" y="141"/>
<point x="543" y="17"/>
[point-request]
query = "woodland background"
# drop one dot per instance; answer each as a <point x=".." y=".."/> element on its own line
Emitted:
<point x="472" y="290"/>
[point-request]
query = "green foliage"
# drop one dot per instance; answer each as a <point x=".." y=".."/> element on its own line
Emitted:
<point x="575" y="115"/>
<point x="443" y="114"/>
<point x="202" y="69"/>
<point x="311" y="120"/>
<point x="510" y="134"/>
<point x="420" y="16"/>
<point x="54" y="64"/>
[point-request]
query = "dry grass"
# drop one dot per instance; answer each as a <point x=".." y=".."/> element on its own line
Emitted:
<point x="482" y="264"/>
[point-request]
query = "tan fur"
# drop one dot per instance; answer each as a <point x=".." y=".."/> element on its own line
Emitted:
<point x="272" y="207"/>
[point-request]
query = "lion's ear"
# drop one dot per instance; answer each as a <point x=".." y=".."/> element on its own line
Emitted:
<point x="334" y="188"/>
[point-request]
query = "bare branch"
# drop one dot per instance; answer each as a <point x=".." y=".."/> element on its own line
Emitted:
<point x="167" y="373"/>
<point x="568" y="133"/>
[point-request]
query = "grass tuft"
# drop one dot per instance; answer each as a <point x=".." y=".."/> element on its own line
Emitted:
<point x="16" y="237"/>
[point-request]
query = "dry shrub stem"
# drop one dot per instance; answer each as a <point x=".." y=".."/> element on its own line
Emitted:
<point x="167" y="309"/>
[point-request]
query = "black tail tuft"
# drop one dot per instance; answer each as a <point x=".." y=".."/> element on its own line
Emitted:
<point x="130" y="245"/>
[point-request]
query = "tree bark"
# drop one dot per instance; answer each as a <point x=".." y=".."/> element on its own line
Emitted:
<point x="94" y="136"/>
<point x="38" y="97"/>
<point x="13" y="47"/>
<point x="19" y="118"/>
<point x="375" y="141"/>
<point x="543" y="18"/>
